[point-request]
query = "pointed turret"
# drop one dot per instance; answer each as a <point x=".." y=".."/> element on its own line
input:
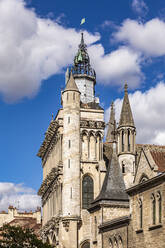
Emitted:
<point x="126" y="140"/>
<point x="113" y="188"/>
<point x="111" y="132"/>
<point x="71" y="85"/>
<point x="126" y="118"/>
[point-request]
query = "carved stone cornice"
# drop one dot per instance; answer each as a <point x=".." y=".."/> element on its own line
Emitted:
<point x="66" y="222"/>
<point x="50" y="138"/>
<point x="92" y="124"/>
<point x="50" y="226"/>
<point x="50" y="183"/>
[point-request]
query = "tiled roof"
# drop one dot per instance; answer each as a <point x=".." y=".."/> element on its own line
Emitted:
<point x="27" y="222"/>
<point x="157" y="153"/>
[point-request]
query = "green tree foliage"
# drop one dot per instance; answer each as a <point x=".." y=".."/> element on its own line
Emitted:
<point x="18" y="237"/>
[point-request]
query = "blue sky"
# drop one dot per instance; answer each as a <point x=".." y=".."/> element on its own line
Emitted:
<point x="38" y="40"/>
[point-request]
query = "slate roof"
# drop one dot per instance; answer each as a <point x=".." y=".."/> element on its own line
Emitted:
<point x="113" y="187"/>
<point x="126" y="117"/>
<point x="110" y="137"/>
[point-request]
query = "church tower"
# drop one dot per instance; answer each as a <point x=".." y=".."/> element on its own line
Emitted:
<point x="126" y="140"/>
<point x="72" y="158"/>
<point x="84" y="75"/>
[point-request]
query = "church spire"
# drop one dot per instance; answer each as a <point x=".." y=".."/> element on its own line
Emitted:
<point x="111" y="132"/>
<point x="71" y="85"/>
<point x="126" y="118"/>
<point x="113" y="188"/>
<point x="82" y="60"/>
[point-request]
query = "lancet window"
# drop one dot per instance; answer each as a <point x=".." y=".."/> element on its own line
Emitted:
<point x="92" y="151"/>
<point x="140" y="211"/>
<point x="129" y="140"/>
<point x="153" y="209"/>
<point x="87" y="191"/>
<point x="159" y="206"/>
<point x="122" y="140"/>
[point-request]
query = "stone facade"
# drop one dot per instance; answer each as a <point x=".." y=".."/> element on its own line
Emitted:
<point x="24" y="219"/>
<point x="97" y="194"/>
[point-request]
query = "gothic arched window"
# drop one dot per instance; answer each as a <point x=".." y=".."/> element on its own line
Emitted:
<point x="153" y="209"/>
<point x="159" y="206"/>
<point x="122" y="140"/>
<point x="86" y="245"/>
<point x="87" y="191"/>
<point x="140" y="213"/>
<point x="129" y="140"/>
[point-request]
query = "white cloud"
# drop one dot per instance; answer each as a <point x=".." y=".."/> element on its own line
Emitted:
<point x="148" y="113"/>
<point x="119" y="65"/>
<point x="18" y="196"/>
<point x="140" y="7"/>
<point x="146" y="37"/>
<point x="33" y="48"/>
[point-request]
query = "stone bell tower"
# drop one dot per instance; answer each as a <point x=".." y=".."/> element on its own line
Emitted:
<point x="84" y="74"/>
<point x="126" y="141"/>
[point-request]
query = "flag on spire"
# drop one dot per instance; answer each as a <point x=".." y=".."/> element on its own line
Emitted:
<point x="82" y="21"/>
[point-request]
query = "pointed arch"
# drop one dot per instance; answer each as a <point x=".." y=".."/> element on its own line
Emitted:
<point x="87" y="191"/>
<point x="153" y="202"/>
<point x="85" y="144"/>
<point x="86" y="244"/>
<point x="98" y="146"/>
<point x="115" y="243"/>
<point x="122" y="141"/>
<point x="143" y="178"/>
<point x="140" y="212"/>
<point x="110" y="243"/>
<point x="129" y="142"/>
<point x="92" y="144"/>
<point x="120" y="242"/>
<point x="159" y="206"/>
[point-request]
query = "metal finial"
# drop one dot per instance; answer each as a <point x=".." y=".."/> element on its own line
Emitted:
<point x="52" y="117"/>
<point x="82" y="38"/>
<point x="112" y="104"/>
<point x="125" y="87"/>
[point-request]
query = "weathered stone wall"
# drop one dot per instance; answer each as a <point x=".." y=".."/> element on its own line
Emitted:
<point x="110" y="213"/>
<point x="150" y="235"/>
<point x="146" y="167"/>
<point x="128" y="161"/>
<point x="71" y="154"/>
<point x="86" y="87"/>
<point x="117" y="238"/>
